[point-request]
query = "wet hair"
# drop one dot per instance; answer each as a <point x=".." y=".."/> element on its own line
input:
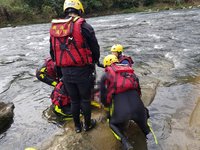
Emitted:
<point x="72" y="10"/>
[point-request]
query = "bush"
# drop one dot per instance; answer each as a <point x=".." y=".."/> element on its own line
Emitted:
<point x="148" y="2"/>
<point x="93" y="5"/>
<point x="126" y="3"/>
<point x="35" y="3"/>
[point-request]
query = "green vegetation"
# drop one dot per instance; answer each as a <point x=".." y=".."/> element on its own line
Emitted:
<point x="40" y="11"/>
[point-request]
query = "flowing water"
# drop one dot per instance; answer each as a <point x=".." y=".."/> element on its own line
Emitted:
<point x="166" y="49"/>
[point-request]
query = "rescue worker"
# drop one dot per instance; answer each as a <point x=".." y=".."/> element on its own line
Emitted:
<point x="117" y="50"/>
<point x="47" y="73"/>
<point x="119" y="91"/>
<point x="74" y="47"/>
<point x="61" y="101"/>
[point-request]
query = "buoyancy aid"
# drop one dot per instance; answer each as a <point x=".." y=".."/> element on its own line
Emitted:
<point x="129" y="59"/>
<point x="121" y="78"/>
<point x="68" y="43"/>
<point x="50" y="68"/>
<point x="59" y="95"/>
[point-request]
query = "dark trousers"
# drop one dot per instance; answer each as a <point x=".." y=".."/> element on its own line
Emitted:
<point x="128" y="106"/>
<point x="80" y="94"/>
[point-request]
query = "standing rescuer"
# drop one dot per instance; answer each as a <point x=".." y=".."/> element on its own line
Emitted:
<point x="119" y="91"/>
<point x="74" y="48"/>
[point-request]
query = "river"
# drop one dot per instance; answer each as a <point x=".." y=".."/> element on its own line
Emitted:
<point x="166" y="49"/>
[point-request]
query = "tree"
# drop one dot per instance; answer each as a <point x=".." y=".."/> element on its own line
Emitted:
<point x="37" y="4"/>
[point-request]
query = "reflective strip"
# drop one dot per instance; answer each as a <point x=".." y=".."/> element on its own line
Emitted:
<point x="95" y="104"/>
<point x="43" y="69"/>
<point x="117" y="137"/>
<point x="42" y="76"/>
<point x="112" y="108"/>
<point x="67" y="119"/>
<point x="76" y="18"/>
<point x="54" y="83"/>
<point x="58" y="110"/>
<point x="106" y="108"/>
<point x="154" y="136"/>
<point x="30" y="148"/>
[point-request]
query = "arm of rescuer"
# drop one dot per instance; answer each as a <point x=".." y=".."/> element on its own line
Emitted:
<point x="41" y="74"/>
<point x="103" y="90"/>
<point x="91" y="41"/>
<point x="139" y="88"/>
<point x="51" y="50"/>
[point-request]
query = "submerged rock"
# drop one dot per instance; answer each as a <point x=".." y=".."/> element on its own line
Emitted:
<point x="6" y="115"/>
<point x="148" y="89"/>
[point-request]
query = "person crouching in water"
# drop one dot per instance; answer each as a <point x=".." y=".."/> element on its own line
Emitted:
<point x="50" y="74"/>
<point x="117" y="50"/>
<point x="119" y="91"/>
<point x="61" y="102"/>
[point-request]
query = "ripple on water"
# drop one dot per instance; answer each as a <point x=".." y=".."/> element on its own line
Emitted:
<point x="170" y="113"/>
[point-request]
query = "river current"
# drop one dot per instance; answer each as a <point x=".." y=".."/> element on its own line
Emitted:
<point x="165" y="47"/>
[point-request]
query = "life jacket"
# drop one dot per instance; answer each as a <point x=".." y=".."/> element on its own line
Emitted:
<point x="59" y="96"/>
<point x="69" y="46"/>
<point x="50" y="68"/>
<point x="121" y="78"/>
<point x="129" y="59"/>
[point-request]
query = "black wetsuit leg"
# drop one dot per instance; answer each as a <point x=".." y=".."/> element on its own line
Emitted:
<point x="128" y="106"/>
<point x="85" y="93"/>
<point x="80" y="94"/>
<point x="117" y="129"/>
<point x="73" y="92"/>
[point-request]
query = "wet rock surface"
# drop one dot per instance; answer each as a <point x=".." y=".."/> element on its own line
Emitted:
<point x="6" y="116"/>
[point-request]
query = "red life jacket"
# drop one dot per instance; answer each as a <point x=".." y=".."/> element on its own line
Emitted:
<point x="121" y="78"/>
<point x="59" y="96"/>
<point x="69" y="46"/>
<point x="51" y="70"/>
<point x="129" y="59"/>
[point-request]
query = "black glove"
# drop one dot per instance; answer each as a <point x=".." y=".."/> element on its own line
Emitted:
<point x="100" y="65"/>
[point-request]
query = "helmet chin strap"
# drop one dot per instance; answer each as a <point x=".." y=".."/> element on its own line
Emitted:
<point x="119" y="54"/>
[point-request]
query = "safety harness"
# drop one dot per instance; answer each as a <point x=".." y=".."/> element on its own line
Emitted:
<point x="129" y="59"/>
<point x="69" y="46"/>
<point x="50" y="68"/>
<point x="121" y="78"/>
<point x="59" y="96"/>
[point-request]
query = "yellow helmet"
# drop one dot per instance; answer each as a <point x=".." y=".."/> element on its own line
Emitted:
<point x="76" y="4"/>
<point x="117" y="48"/>
<point x="109" y="59"/>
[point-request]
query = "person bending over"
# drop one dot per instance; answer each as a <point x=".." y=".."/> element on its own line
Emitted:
<point x="119" y="91"/>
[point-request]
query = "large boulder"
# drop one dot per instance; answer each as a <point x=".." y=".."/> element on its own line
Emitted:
<point x="6" y="115"/>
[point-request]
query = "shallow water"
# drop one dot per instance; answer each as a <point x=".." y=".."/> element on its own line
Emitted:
<point x="165" y="47"/>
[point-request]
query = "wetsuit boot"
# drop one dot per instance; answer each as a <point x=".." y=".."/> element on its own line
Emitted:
<point x="90" y="125"/>
<point x="126" y="144"/>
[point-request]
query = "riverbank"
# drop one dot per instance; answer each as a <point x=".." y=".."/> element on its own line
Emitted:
<point x="12" y="18"/>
